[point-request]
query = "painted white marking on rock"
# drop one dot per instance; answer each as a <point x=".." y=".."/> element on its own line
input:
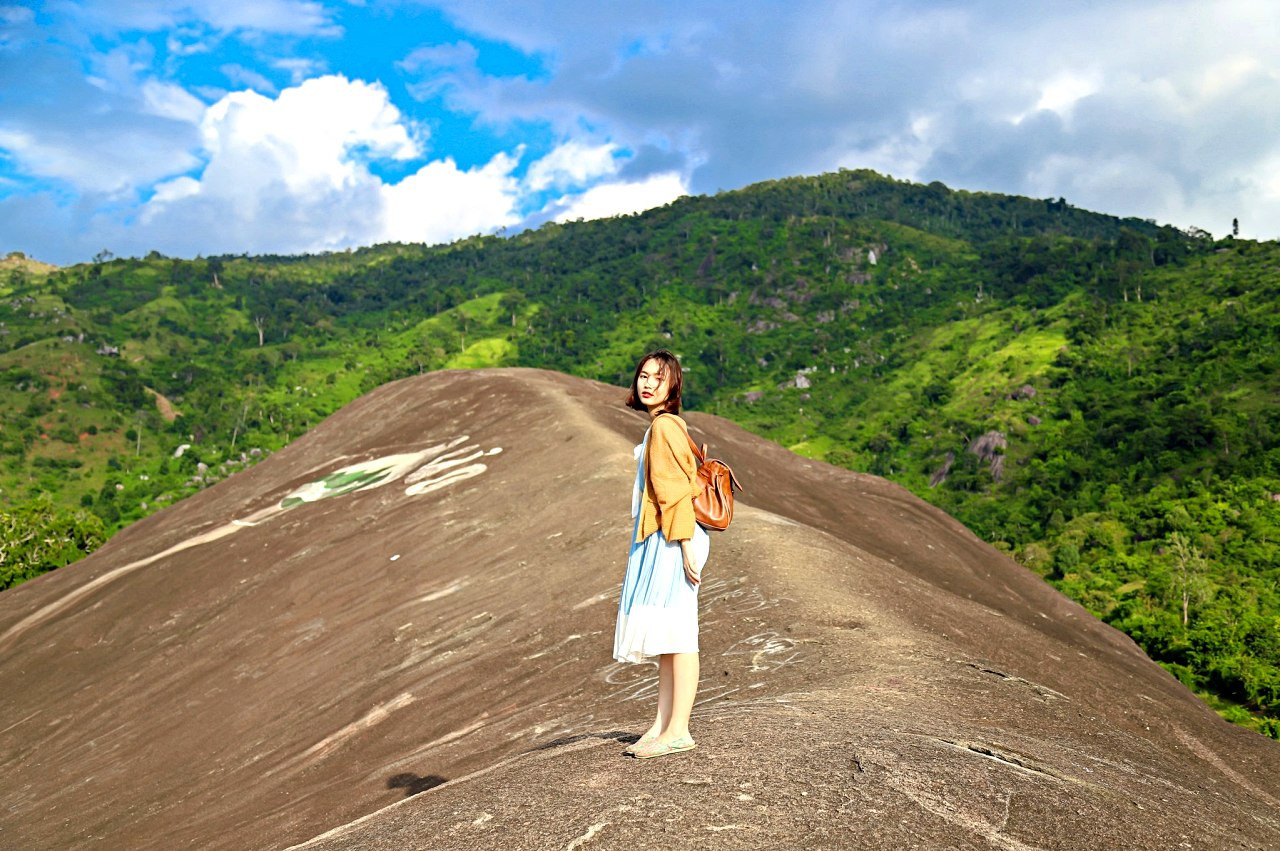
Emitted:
<point x="363" y="475"/>
<point x="452" y="477"/>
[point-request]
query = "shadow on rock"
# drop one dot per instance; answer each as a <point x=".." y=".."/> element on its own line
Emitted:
<point x="621" y="736"/>
<point x="412" y="784"/>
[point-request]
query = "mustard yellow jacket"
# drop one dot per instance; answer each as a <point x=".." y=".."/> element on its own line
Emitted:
<point x="669" y="482"/>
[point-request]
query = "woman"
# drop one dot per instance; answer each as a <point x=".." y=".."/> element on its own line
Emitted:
<point x="658" y="612"/>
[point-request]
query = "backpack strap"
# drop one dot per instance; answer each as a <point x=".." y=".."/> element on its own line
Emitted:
<point x="699" y="454"/>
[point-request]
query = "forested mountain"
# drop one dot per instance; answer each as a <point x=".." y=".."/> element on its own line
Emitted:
<point x="1094" y="395"/>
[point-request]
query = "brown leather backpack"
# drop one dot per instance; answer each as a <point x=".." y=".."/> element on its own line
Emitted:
<point x="713" y="504"/>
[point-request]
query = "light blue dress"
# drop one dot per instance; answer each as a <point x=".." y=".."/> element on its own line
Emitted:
<point x="658" y="612"/>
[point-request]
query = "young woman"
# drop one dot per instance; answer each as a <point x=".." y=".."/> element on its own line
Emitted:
<point x="658" y="612"/>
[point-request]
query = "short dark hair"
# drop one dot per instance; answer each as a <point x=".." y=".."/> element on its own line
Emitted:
<point x="675" y="382"/>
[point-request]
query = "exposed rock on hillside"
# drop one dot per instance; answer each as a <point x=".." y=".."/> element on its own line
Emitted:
<point x="990" y="447"/>
<point x="940" y="475"/>
<point x="396" y="633"/>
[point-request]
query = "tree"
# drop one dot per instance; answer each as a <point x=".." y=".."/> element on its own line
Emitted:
<point x="240" y="421"/>
<point x="1189" y="568"/>
<point x="1066" y="558"/>
<point x="512" y="303"/>
<point x="37" y="536"/>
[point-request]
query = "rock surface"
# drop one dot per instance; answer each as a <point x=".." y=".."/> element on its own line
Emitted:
<point x="335" y="651"/>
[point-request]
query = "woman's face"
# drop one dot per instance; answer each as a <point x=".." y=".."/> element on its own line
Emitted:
<point x="652" y="384"/>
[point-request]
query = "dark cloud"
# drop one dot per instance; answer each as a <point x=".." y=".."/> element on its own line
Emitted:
<point x="1145" y="107"/>
<point x="649" y="160"/>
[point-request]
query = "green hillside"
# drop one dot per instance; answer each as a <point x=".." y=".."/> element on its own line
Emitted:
<point x="1091" y="394"/>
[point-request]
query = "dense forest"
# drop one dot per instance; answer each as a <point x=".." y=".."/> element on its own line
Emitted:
<point x="1093" y="395"/>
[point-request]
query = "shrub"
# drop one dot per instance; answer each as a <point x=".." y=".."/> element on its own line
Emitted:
<point x="36" y="537"/>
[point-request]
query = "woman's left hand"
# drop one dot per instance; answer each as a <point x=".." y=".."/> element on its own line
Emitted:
<point x="691" y="571"/>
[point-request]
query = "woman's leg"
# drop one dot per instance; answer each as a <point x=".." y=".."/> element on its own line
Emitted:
<point x="666" y="689"/>
<point x="684" y="676"/>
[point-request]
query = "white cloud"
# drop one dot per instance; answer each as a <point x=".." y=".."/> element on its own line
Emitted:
<point x="167" y="100"/>
<point x="310" y="133"/>
<point x="112" y="159"/>
<point x="295" y="172"/>
<point x="622" y="198"/>
<point x="276" y="16"/>
<point x="291" y="174"/>
<point x="299" y="68"/>
<point x="239" y="75"/>
<point x="285" y="173"/>
<point x="441" y="202"/>
<point x="15" y="17"/>
<point x="573" y="163"/>
<point x="168" y="192"/>
<point x="457" y="55"/>
<point x="1060" y="93"/>
<point x="295" y="17"/>
<point x="189" y="41"/>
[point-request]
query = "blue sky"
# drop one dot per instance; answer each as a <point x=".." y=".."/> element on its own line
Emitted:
<point x="284" y="126"/>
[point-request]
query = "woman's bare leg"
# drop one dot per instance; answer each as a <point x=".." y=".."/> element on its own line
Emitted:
<point x="666" y="689"/>
<point x="684" y="676"/>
